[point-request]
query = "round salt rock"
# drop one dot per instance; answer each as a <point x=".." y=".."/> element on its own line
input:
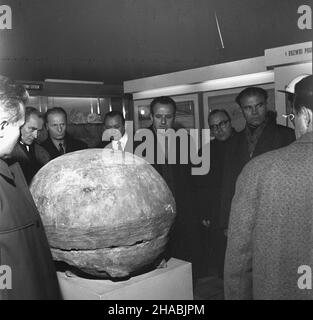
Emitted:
<point x="107" y="213"/>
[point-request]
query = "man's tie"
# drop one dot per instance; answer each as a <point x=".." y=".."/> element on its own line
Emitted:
<point x="61" y="149"/>
<point x="24" y="147"/>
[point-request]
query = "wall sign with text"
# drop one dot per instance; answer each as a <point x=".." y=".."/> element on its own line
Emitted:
<point x="297" y="53"/>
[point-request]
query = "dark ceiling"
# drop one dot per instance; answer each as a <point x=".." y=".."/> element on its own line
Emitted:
<point x="117" y="40"/>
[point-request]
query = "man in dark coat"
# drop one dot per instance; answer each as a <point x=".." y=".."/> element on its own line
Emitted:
<point x="269" y="250"/>
<point x="208" y="192"/>
<point x="23" y="243"/>
<point x="260" y="135"/>
<point x="24" y="250"/>
<point x="183" y="242"/>
<point x="59" y="141"/>
<point x="30" y="155"/>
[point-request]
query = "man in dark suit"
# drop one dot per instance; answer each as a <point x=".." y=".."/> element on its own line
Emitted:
<point x="30" y="155"/>
<point x="260" y="135"/>
<point x="183" y="242"/>
<point x="115" y="135"/>
<point x="208" y="192"/>
<point x="59" y="141"/>
<point x="221" y="127"/>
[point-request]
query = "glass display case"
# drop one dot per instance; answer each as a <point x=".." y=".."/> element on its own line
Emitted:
<point x="84" y="114"/>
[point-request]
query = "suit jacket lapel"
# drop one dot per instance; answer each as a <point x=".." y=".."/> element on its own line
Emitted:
<point x="6" y="173"/>
<point x="22" y="149"/>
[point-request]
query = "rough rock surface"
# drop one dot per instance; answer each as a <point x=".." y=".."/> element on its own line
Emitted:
<point x="105" y="212"/>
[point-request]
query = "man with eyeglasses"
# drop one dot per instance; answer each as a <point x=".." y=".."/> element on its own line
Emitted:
<point x="261" y="134"/>
<point x="269" y="253"/>
<point x="220" y="124"/>
<point x="208" y="192"/>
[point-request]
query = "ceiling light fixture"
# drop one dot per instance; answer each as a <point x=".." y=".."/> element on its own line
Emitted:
<point x="73" y="81"/>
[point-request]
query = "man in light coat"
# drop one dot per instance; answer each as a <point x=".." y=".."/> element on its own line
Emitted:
<point x="271" y="221"/>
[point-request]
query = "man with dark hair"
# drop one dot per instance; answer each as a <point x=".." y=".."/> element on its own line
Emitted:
<point x="269" y="251"/>
<point x="251" y="92"/>
<point x="261" y="134"/>
<point x="59" y="141"/>
<point x="163" y="100"/>
<point x="162" y="114"/>
<point x="30" y="155"/>
<point x="114" y="135"/>
<point x="184" y="241"/>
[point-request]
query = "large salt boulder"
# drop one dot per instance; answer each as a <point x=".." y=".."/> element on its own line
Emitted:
<point x="106" y="213"/>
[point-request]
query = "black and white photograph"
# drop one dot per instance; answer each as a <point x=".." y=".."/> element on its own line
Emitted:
<point x="156" y="150"/>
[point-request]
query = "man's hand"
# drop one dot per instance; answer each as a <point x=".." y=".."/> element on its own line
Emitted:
<point x="226" y="232"/>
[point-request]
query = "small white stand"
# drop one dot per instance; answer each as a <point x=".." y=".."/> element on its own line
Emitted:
<point x="173" y="282"/>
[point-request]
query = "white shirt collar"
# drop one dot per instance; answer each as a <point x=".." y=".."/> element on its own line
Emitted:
<point x="123" y="141"/>
<point x="27" y="146"/>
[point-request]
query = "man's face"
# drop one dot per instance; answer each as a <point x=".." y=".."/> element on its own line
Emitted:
<point x="31" y="129"/>
<point x="254" y="109"/>
<point x="220" y="126"/>
<point x="301" y="123"/>
<point x="56" y="126"/>
<point x="163" y="116"/>
<point x="9" y="134"/>
<point x="114" y="127"/>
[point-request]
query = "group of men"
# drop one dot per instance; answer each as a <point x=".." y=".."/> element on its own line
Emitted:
<point x="29" y="153"/>
<point x="261" y="134"/>
<point x="259" y="203"/>
<point x="32" y="155"/>
<point x="270" y="228"/>
<point x="258" y="206"/>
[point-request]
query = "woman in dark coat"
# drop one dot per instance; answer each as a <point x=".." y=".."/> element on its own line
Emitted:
<point x="24" y="249"/>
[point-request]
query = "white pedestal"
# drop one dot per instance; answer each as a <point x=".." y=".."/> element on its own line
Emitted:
<point x="171" y="283"/>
